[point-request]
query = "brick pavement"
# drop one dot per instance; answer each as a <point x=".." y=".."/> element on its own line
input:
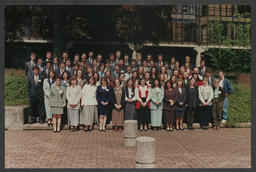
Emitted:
<point x="226" y="148"/>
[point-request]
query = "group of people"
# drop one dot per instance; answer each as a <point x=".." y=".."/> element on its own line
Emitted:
<point x="89" y="90"/>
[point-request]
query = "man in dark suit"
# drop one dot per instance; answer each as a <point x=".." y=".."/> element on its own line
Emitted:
<point x="90" y="58"/>
<point x="29" y="65"/>
<point x="39" y="64"/>
<point x="187" y="60"/>
<point x="55" y="66"/>
<point x="210" y="78"/>
<point x="60" y="70"/>
<point x="138" y="60"/>
<point x="126" y="60"/>
<point x="64" y="56"/>
<point x="160" y="62"/>
<point x="46" y="70"/>
<point x="76" y="59"/>
<point x="112" y="60"/>
<point x="48" y="57"/>
<point x="36" y="96"/>
<point x="203" y="68"/>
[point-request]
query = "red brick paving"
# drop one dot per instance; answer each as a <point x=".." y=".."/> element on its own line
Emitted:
<point x="226" y="148"/>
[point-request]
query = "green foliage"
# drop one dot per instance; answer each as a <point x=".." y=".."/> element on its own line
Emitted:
<point x="229" y="60"/>
<point x="239" y="105"/>
<point x="15" y="89"/>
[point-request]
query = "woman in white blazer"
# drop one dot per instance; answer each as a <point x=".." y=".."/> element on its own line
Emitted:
<point x="89" y="104"/>
<point x="73" y="95"/>
<point x="47" y="88"/>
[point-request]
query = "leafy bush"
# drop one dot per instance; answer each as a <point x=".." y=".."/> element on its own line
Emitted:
<point x="239" y="105"/>
<point x="15" y="89"/>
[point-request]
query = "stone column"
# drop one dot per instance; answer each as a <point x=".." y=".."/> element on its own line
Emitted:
<point x="199" y="51"/>
<point x="130" y="132"/>
<point x="145" y="155"/>
<point x="14" y="117"/>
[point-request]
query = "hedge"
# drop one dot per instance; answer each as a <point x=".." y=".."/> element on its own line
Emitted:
<point x="239" y="101"/>
<point x="15" y="89"/>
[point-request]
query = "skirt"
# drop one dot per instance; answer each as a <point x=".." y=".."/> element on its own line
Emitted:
<point x="88" y="114"/>
<point x="73" y="117"/>
<point x="143" y="114"/>
<point x="179" y="113"/>
<point x="129" y="111"/>
<point x="156" y="117"/>
<point x="168" y="116"/>
<point x="57" y="110"/>
<point x="117" y="117"/>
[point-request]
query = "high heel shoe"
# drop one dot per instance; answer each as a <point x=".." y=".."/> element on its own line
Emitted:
<point x="49" y="124"/>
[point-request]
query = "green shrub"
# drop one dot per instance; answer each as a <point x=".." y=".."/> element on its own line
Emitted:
<point x="239" y="105"/>
<point x="15" y="89"/>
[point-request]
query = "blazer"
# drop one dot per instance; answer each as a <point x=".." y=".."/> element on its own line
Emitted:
<point x="227" y="86"/>
<point x="47" y="87"/>
<point x="89" y="95"/>
<point x="126" y="91"/>
<point x="182" y="97"/>
<point x="102" y="95"/>
<point x="57" y="96"/>
<point x="156" y="96"/>
<point x="73" y="96"/>
<point x="35" y="90"/>
<point x="114" y="101"/>
<point x="28" y="68"/>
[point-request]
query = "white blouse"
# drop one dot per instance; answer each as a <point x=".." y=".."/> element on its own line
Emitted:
<point x="143" y="93"/>
<point x="89" y="95"/>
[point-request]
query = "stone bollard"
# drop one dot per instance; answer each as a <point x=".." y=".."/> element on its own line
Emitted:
<point x="130" y="132"/>
<point x="145" y="155"/>
<point x="14" y="117"/>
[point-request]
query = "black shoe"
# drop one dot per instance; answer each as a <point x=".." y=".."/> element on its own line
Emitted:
<point x="85" y="130"/>
<point x="54" y="131"/>
<point x="104" y="130"/>
<point x="58" y="131"/>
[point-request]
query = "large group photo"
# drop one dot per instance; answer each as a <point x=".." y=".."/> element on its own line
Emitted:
<point x="128" y="82"/>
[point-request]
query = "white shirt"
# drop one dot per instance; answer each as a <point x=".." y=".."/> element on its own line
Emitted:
<point x="36" y="78"/>
<point x="89" y="95"/>
<point x="143" y="93"/>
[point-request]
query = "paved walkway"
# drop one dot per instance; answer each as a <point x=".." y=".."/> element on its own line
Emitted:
<point x="226" y="148"/>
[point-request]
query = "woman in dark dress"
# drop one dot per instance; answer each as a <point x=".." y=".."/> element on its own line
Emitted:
<point x="103" y="95"/>
<point x="180" y="104"/>
<point x="130" y="99"/>
<point x="192" y="96"/>
<point x="170" y="98"/>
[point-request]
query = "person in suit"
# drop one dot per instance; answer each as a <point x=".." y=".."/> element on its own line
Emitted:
<point x="74" y="70"/>
<point x="160" y="62"/>
<point x="90" y="58"/>
<point x="46" y="70"/>
<point x="57" y="101"/>
<point x="156" y="104"/>
<point x="89" y="105"/>
<point x="116" y="72"/>
<point x="61" y="70"/>
<point x="118" y="56"/>
<point x="48" y="57"/>
<point x="47" y="89"/>
<point x="210" y="77"/>
<point x="118" y="103"/>
<point x="180" y="104"/>
<point x="65" y="84"/>
<point x="172" y="65"/>
<point x="168" y="70"/>
<point x="188" y="60"/>
<point x="95" y="67"/>
<point x="29" y="65"/>
<point x="101" y="71"/>
<point x="36" y="96"/>
<point x="99" y="60"/>
<point x="130" y="99"/>
<point x="205" y="93"/>
<point x="145" y="66"/>
<point x="217" y="103"/>
<point x="112" y="60"/>
<point x="76" y="59"/>
<point x="192" y="101"/>
<point x="148" y="58"/>
<point x="83" y="57"/>
<point x="73" y="95"/>
<point x="134" y="65"/>
<point x="169" y="100"/>
<point x="226" y="84"/>
<point x="143" y="104"/>
<point x="138" y="60"/>
<point x="68" y="66"/>
<point x="128" y="73"/>
<point x="126" y="60"/>
<point x="64" y="56"/>
<point x="188" y="69"/>
<point x="40" y="65"/>
<point x="88" y="73"/>
<point x="121" y="66"/>
<point x="203" y="68"/>
<point x="80" y="78"/>
<point x="103" y="95"/>
<point x="55" y="66"/>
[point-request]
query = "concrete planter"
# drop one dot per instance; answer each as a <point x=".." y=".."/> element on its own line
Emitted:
<point x="14" y="117"/>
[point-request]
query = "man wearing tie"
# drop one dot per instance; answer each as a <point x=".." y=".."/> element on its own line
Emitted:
<point x="40" y="65"/>
<point x="90" y="57"/>
<point x="36" y="96"/>
<point x="64" y="56"/>
<point x="118" y="56"/>
<point x="202" y="68"/>
<point x="112" y="61"/>
<point x="55" y="65"/>
<point x="47" y="68"/>
<point x="160" y="62"/>
<point x="172" y="65"/>
<point x="29" y="65"/>
<point x="210" y="78"/>
<point x="60" y="70"/>
<point x="48" y="57"/>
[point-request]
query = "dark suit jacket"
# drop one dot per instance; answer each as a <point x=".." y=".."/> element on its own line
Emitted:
<point x="200" y="73"/>
<point x="182" y="97"/>
<point x="212" y="81"/>
<point x="35" y="90"/>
